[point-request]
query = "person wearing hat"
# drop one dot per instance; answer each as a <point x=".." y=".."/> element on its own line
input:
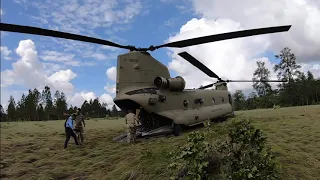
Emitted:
<point x="69" y="129"/>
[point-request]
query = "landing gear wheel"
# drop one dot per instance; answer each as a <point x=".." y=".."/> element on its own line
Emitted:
<point x="177" y="130"/>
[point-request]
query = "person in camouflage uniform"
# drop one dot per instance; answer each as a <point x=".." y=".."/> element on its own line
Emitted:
<point x="78" y="124"/>
<point x="131" y="127"/>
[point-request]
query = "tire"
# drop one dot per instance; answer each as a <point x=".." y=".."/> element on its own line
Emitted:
<point x="177" y="130"/>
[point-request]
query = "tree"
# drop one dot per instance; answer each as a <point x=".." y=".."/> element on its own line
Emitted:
<point x="85" y="107"/>
<point x="287" y="69"/>
<point x="47" y="99"/>
<point x="252" y="101"/>
<point x="311" y="88"/>
<point x="239" y="100"/>
<point x="262" y="74"/>
<point x="32" y="102"/>
<point x="1" y="109"/>
<point x="11" y="110"/>
<point x="21" y="108"/>
<point x="41" y="114"/>
<point x="3" y="116"/>
<point x="114" y="110"/>
<point x="60" y="104"/>
<point x="263" y="88"/>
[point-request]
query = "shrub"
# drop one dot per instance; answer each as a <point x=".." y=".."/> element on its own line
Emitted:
<point x="245" y="155"/>
<point x="192" y="161"/>
<point x="276" y="107"/>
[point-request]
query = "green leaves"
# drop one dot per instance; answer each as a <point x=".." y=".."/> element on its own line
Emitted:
<point x="243" y="156"/>
<point x="192" y="156"/>
<point x="246" y="155"/>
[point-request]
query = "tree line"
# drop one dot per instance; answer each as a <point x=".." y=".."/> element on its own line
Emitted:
<point x="36" y="106"/>
<point x="299" y="90"/>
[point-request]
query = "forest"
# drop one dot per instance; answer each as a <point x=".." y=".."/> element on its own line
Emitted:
<point x="36" y="106"/>
<point x="299" y="89"/>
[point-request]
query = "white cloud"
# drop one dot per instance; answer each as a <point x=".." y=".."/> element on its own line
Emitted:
<point x="5" y="96"/>
<point x="65" y="58"/>
<point x="51" y="68"/>
<point x="112" y="73"/>
<point x="1" y="12"/>
<point x="3" y="34"/>
<point x="99" y="56"/>
<point x="110" y="88"/>
<point x="84" y="17"/>
<point x="313" y="68"/>
<point x="30" y="72"/>
<point x="236" y="58"/>
<point x="5" y="52"/>
<point x="110" y="48"/>
<point x="78" y="98"/>
<point x="74" y="16"/>
<point x="56" y="56"/>
<point x="303" y="37"/>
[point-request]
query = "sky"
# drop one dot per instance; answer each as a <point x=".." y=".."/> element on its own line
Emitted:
<point x="84" y="71"/>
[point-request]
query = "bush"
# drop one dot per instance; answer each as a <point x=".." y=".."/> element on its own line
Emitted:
<point x="192" y="160"/>
<point x="276" y="107"/>
<point x="243" y="156"/>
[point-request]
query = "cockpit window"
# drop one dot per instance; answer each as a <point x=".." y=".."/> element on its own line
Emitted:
<point x="143" y="91"/>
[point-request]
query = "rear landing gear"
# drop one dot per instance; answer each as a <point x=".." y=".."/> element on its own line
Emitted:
<point x="177" y="130"/>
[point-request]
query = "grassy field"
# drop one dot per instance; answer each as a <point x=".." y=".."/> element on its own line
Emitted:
<point x="34" y="150"/>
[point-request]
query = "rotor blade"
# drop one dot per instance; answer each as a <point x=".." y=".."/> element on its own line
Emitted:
<point x="58" y="34"/>
<point x="255" y="81"/>
<point x="225" y="36"/>
<point x="207" y="86"/>
<point x="198" y="64"/>
<point x="227" y="81"/>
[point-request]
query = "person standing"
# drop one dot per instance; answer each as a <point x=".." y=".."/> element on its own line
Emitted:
<point x="131" y="127"/>
<point x="79" y="122"/>
<point x="69" y="131"/>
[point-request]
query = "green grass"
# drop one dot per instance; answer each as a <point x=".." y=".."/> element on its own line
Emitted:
<point x="34" y="150"/>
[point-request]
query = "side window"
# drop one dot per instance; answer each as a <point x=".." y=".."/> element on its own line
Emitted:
<point x="222" y="99"/>
<point x="185" y="103"/>
<point x="213" y="101"/>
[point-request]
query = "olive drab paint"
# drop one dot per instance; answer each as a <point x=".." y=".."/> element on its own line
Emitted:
<point x="144" y="81"/>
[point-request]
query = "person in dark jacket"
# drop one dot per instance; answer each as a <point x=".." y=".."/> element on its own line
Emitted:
<point x="69" y="126"/>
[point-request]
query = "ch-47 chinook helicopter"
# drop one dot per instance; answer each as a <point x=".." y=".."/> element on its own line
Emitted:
<point x="142" y="81"/>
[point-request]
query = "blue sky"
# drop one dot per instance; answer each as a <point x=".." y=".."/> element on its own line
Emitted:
<point x="154" y="24"/>
<point x="140" y="24"/>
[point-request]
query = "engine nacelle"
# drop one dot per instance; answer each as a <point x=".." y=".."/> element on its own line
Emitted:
<point x="173" y="84"/>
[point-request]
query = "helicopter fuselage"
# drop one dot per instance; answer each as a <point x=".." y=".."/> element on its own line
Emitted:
<point x="142" y="81"/>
